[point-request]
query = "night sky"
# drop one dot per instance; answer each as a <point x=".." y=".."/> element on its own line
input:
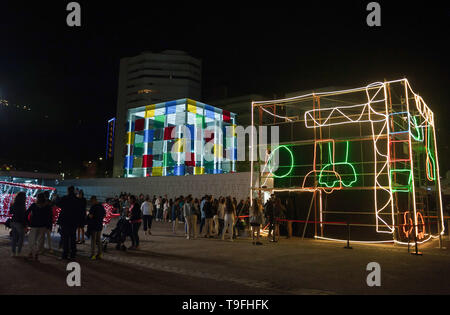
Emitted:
<point x="69" y="76"/>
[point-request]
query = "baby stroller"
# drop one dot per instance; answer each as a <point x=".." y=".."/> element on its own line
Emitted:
<point x="118" y="235"/>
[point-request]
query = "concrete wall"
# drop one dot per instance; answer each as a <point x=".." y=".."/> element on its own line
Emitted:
<point x="235" y="184"/>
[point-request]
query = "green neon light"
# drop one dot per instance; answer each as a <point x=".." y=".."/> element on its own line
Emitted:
<point x="331" y="164"/>
<point x="433" y="163"/>
<point x="291" y="167"/>
<point x="419" y="130"/>
<point x="402" y="188"/>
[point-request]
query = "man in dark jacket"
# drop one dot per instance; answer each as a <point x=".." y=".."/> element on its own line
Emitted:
<point x="95" y="226"/>
<point x="207" y="208"/>
<point x="69" y="220"/>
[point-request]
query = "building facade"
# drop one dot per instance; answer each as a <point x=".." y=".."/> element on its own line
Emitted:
<point x="152" y="78"/>
<point x="177" y="138"/>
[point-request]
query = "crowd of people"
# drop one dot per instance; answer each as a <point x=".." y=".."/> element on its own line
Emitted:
<point x="40" y="218"/>
<point x="208" y="217"/>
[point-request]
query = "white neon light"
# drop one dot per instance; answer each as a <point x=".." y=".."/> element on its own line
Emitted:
<point x="378" y="133"/>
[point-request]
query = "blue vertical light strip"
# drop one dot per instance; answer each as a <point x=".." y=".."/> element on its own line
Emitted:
<point x="112" y="120"/>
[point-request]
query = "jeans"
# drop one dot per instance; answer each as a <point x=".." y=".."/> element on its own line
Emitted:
<point x="202" y="223"/>
<point x="174" y="225"/>
<point x="148" y="219"/>
<point x="158" y="213"/>
<point x="48" y="234"/>
<point x="96" y="241"/>
<point x="221" y="224"/>
<point x="34" y="239"/>
<point x="135" y="234"/>
<point x="68" y="234"/>
<point x="18" y="234"/>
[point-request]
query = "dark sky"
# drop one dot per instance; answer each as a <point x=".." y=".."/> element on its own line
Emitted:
<point x="71" y="74"/>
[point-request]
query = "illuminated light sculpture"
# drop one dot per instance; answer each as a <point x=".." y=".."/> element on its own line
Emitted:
<point x="177" y="138"/>
<point x="385" y="180"/>
<point x="8" y="192"/>
<point x="291" y="167"/>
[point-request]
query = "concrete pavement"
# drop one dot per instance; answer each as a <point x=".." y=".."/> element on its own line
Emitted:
<point x="171" y="264"/>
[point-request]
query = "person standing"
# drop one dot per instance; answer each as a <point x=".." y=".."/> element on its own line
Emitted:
<point x="269" y="214"/>
<point x="230" y="214"/>
<point x="195" y="213"/>
<point x="215" y="209"/>
<point x="40" y="221"/>
<point x="202" y="213"/>
<point x="175" y="215"/>
<point x="208" y="210"/>
<point x="135" y="217"/>
<point x="238" y="222"/>
<point x="17" y="210"/>
<point x="69" y="220"/>
<point x="166" y="210"/>
<point x="83" y="208"/>
<point x="158" y="208"/>
<point x="221" y="214"/>
<point x="48" y="233"/>
<point x="147" y="213"/>
<point x="95" y="226"/>
<point x="279" y="214"/>
<point x="256" y="218"/>
<point x="187" y="213"/>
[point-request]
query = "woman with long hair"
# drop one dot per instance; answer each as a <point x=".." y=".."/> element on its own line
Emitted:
<point x="18" y="209"/>
<point x="230" y="215"/>
<point x="256" y="217"/>
<point x="135" y="217"/>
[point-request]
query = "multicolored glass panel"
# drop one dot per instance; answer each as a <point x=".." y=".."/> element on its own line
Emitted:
<point x="158" y="146"/>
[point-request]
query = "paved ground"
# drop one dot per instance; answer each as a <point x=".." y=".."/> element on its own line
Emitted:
<point x="169" y="264"/>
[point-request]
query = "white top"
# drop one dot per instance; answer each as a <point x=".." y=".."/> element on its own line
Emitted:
<point x="147" y="208"/>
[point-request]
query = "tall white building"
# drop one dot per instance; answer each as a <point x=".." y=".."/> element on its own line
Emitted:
<point x="151" y="78"/>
